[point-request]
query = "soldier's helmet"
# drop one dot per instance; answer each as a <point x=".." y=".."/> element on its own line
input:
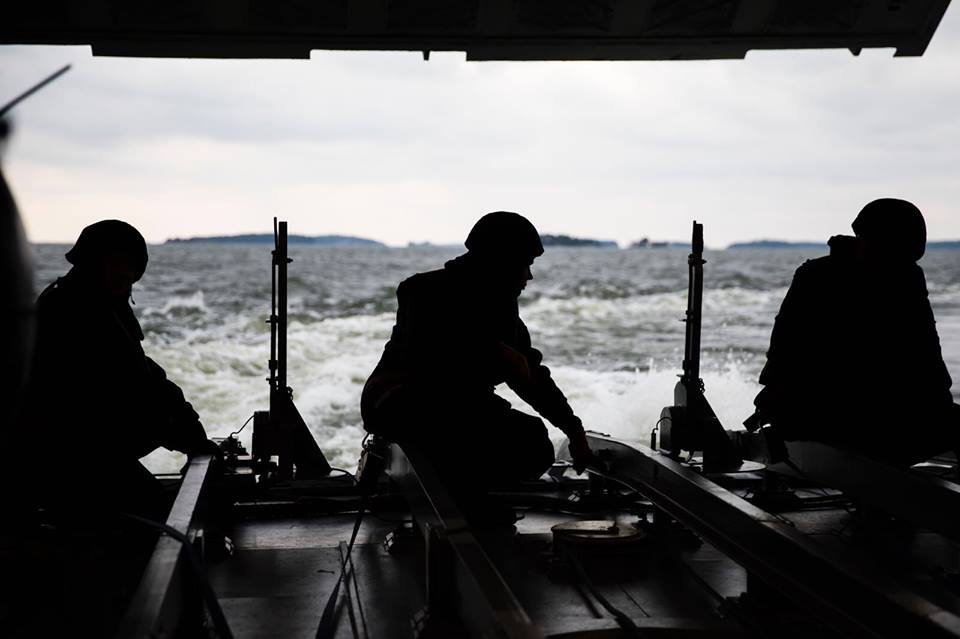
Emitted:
<point x="505" y="236"/>
<point x="895" y="226"/>
<point x="110" y="237"/>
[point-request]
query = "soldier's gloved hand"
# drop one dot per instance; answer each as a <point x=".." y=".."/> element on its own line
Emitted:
<point x="516" y="365"/>
<point x="755" y="421"/>
<point x="208" y="447"/>
<point x="580" y="452"/>
<point x="776" y="449"/>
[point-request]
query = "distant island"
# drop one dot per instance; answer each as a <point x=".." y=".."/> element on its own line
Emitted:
<point x="548" y="240"/>
<point x="416" y="245"/>
<point x="645" y="243"/>
<point x="267" y="238"/>
<point x="822" y="246"/>
<point x="778" y="244"/>
<point x="566" y="240"/>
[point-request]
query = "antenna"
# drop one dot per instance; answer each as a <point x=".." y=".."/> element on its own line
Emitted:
<point x="26" y="94"/>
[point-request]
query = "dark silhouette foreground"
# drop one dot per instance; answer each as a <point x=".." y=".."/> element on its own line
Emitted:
<point x="458" y="335"/>
<point x="95" y="403"/>
<point x="854" y="357"/>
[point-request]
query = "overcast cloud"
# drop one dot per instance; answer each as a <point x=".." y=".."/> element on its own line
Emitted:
<point x="384" y="145"/>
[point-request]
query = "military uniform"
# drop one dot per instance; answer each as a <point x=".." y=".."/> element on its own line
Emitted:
<point x="855" y="361"/>
<point x="457" y="336"/>
<point x="435" y="381"/>
<point x="96" y="404"/>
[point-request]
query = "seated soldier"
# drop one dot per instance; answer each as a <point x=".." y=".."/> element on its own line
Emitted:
<point x="458" y="335"/>
<point x="854" y="357"/>
<point x="95" y="403"/>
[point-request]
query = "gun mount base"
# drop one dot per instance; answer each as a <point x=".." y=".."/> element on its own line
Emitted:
<point x="681" y="431"/>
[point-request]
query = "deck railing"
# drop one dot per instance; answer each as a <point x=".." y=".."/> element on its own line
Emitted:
<point x="173" y="589"/>
<point x="460" y="577"/>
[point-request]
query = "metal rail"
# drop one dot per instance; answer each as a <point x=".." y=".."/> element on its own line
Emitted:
<point x="460" y="575"/>
<point x="156" y="610"/>
<point x="857" y="599"/>
<point x="929" y="502"/>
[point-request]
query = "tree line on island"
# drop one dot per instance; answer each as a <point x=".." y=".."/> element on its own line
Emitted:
<point x="351" y="240"/>
<point x="547" y="239"/>
<point x="267" y="238"/>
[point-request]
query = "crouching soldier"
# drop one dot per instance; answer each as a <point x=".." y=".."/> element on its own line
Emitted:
<point x="854" y="357"/>
<point x="95" y="403"/>
<point x="458" y="335"/>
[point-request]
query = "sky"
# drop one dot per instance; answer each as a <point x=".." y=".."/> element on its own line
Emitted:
<point x="785" y="145"/>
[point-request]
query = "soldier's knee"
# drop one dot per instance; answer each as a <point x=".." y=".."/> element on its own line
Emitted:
<point x="545" y="456"/>
<point x="539" y="448"/>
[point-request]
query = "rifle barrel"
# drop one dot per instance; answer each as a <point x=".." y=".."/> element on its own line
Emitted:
<point x="698" y="239"/>
<point x="273" y="308"/>
<point x="691" y="360"/>
<point x="282" y="261"/>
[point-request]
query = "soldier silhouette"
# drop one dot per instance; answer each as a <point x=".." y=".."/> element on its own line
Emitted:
<point x="854" y="357"/>
<point x="95" y="403"/>
<point x="458" y="334"/>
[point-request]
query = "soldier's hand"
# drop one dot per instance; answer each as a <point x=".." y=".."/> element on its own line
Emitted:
<point x="209" y="447"/>
<point x="580" y="452"/>
<point x="516" y="364"/>
<point x="755" y="421"/>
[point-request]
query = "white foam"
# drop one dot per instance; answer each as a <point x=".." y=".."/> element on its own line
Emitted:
<point x="222" y="366"/>
<point x="945" y="294"/>
<point x="180" y="303"/>
<point x="627" y="405"/>
<point x="222" y="370"/>
<point x="164" y="461"/>
<point x="555" y="316"/>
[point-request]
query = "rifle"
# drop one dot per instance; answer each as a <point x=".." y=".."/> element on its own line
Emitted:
<point x="691" y="424"/>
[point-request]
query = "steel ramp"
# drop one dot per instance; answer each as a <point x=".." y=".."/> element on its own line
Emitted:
<point x="854" y="597"/>
<point x="926" y="501"/>
<point x="459" y="573"/>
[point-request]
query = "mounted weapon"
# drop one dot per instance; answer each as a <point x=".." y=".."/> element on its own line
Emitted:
<point x="690" y="424"/>
<point x="281" y="431"/>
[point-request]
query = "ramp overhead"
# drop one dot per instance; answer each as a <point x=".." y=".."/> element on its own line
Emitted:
<point x="483" y="29"/>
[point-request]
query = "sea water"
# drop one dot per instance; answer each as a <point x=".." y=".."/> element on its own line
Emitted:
<point x="608" y="321"/>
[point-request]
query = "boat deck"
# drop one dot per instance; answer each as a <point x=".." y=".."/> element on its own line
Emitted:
<point x="284" y="570"/>
<point x="757" y="554"/>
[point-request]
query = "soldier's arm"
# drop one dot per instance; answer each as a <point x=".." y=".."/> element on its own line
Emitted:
<point x="788" y="342"/>
<point x="931" y="365"/>
<point x="541" y="391"/>
<point x="181" y="428"/>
